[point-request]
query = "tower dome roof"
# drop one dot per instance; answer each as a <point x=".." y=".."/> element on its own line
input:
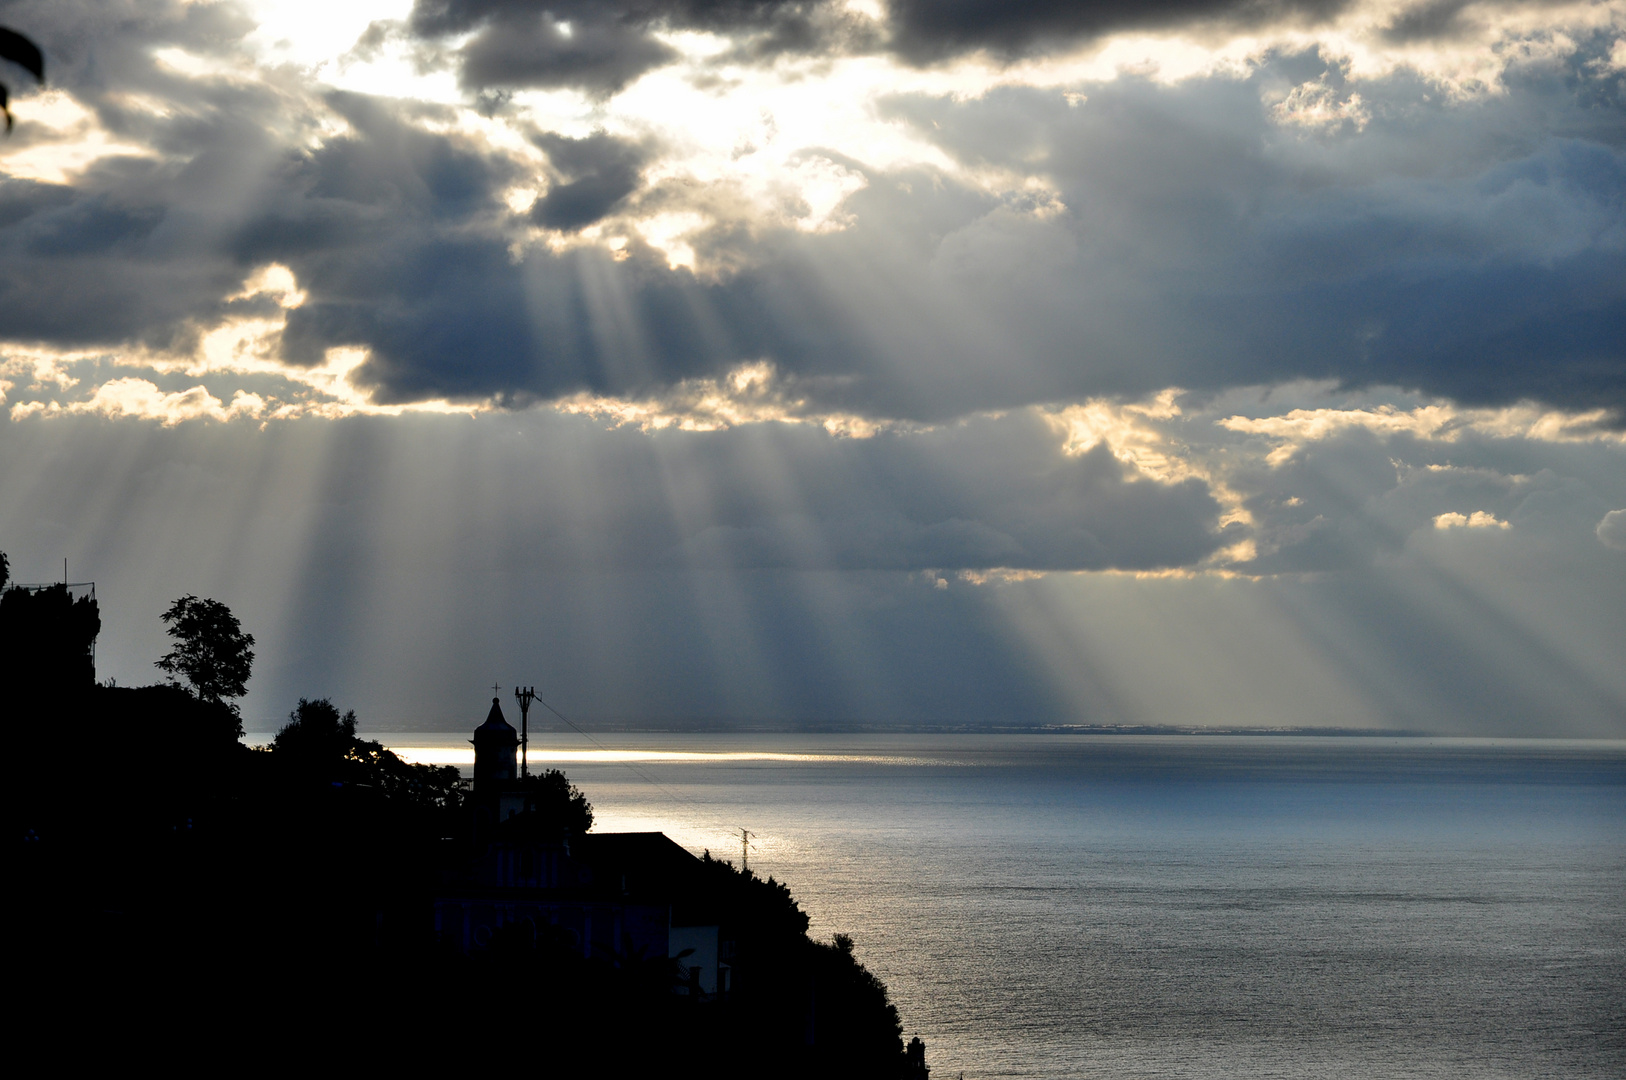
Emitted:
<point x="495" y="723"/>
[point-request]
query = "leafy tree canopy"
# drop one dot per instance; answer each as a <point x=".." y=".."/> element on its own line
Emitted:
<point x="211" y="651"/>
<point x="46" y="639"/>
<point x="557" y="802"/>
<point x="323" y="745"/>
<point x="315" y="732"/>
<point x="766" y="906"/>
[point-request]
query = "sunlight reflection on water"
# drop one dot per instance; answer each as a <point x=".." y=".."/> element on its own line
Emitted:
<point x="464" y="756"/>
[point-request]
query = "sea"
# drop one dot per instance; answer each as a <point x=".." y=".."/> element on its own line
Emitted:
<point x="1209" y="906"/>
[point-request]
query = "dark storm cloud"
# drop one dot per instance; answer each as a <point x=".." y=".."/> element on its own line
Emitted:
<point x="396" y="233"/>
<point x="1198" y="244"/>
<point x="531" y="49"/>
<point x="932" y="29"/>
<point x="132" y="250"/>
<point x="1426" y="21"/>
<point x="389" y="166"/>
<point x="144" y="249"/>
<point x="87" y="266"/>
<point x="601" y="47"/>
<point x="1436" y="20"/>
<point x="594" y="175"/>
<point x="104" y="49"/>
<point x="563" y="493"/>
<point x="1465" y="250"/>
<point x="457" y="329"/>
<point x="983" y="494"/>
<point x="1341" y="255"/>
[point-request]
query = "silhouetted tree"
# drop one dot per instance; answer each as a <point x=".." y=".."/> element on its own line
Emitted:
<point x="792" y="991"/>
<point x="765" y="907"/>
<point x="46" y="638"/>
<point x="211" y="651"/>
<point x="316" y="732"/>
<point x="557" y="802"/>
<point x="323" y="746"/>
<point x="25" y="54"/>
<point x="5" y="570"/>
<point x="856" y="1024"/>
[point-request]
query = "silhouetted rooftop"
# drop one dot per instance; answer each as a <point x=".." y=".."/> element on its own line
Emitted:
<point x="496" y="723"/>
<point x="642" y="863"/>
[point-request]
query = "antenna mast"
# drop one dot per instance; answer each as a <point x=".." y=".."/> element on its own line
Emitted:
<point x="526" y="695"/>
<point x="745" y="849"/>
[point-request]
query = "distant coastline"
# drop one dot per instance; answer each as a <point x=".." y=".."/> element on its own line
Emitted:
<point x="1175" y="729"/>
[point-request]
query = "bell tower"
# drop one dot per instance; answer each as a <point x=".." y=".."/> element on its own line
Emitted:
<point x="495" y="745"/>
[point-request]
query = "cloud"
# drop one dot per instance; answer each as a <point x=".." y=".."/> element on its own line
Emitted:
<point x="938" y="253"/>
<point x="1444" y="422"/>
<point x="1612" y="530"/>
<point x="1315" y="105"/>
<point x="1042" y="266"/>
<point x="602" y="47"/>
<point x="415" y="553"/>
<point x="1276" y="241"/>
<point x="1315" y="480"/>
<point x="923" y="30"/>
<point x="750" y="394"/>
<point x="988" y="495"/>
<point x="1479" y="519"/>
<point x="535" y="48"/>
<point x="141" y="399"/>
<point x="594" y="174"/>
<point x="130" y="169"/>
<point x="985" y="494"/>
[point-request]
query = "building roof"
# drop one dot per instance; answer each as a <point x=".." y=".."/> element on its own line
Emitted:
<point x="495" y="724"/>
<point x="647" y="863"/>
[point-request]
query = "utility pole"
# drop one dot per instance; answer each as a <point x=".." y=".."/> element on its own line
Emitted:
<point x="745" y="849"/>
<point x="526" y="695"/>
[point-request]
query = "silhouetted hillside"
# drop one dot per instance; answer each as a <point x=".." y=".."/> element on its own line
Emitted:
<point x="198" y="882"/>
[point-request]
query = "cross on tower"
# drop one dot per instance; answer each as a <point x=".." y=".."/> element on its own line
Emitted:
<point x="496" y="691"/>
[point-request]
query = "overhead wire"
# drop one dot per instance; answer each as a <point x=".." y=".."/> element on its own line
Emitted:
<point x="645" y="777"/>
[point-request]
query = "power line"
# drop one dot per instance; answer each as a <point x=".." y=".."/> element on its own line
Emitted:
<point x="526" y="695"/>
<point x="645" y="777"/>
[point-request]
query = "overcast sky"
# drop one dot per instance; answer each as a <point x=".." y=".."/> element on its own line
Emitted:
<point x="933" y="361"/>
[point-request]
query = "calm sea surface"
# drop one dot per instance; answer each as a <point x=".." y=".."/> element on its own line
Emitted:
<point x="1120" y="906"/>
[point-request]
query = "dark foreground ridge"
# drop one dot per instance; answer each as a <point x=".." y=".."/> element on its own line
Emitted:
<point x="177" y="890"/>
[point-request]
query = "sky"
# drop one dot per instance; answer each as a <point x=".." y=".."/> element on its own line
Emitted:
<point x="950" y="362"/>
